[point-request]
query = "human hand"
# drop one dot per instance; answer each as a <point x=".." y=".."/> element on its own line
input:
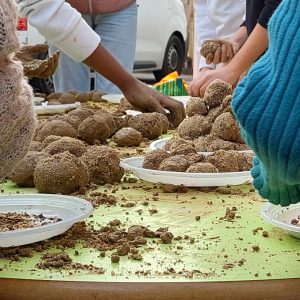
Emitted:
<point x="36" y="67"/>
<point x="219" y="51"/>
<point x="198" y="86"/>
<point x="147" y="99"/>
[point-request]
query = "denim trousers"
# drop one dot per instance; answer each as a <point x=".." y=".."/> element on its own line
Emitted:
<point x="118" y="35"/>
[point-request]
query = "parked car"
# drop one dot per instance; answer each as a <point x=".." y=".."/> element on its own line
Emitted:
<point x="162" y="40"/>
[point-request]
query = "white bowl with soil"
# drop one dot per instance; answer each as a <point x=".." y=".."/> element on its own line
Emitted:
<point x="282" y="217"/>
<point x="69" y="209"/>
<point x="187" y="179"/>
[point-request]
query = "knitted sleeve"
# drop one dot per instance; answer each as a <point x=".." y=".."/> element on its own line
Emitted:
<point x="17" y="116"/>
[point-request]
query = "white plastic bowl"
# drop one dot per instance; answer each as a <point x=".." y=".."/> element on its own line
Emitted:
<point x="69" y="209"/>
<point x="188" y="179"/>
<point x="282" y="216"/>
<point x="44" y="108"/>
<point x="161" y="142"/>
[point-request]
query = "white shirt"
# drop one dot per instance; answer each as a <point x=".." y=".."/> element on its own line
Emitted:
<point x="61" y="25"/>
<point x="215" y="19"/>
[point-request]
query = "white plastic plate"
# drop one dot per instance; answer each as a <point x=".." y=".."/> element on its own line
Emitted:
<point x="54" y="109"/>
<point x="69" y="209"/>
<point x="282" y="216"/>
<point x="188" y="179"/>
<point x="161" y="142"/>
<point x="38" y="100"/>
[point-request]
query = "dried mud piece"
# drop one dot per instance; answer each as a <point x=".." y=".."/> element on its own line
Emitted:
<point x="245" y="161"/>
<point x="196" y="106"/>
<point x="56" y="127"/>
<point x="154" y="158"/>
<point x="66" y="98"/>
<point x="216" y="91"/>
<point x="127" y="137"/>
<point x="103" y="164"/>
<point x="36" y="146"/>
<point x="226" y="127"/>
<point x="50" y="139"/>
<point x="82" y="97"/>
<point x="23" y="173"/>
<point x="94" y="128"/>
<point x="194" y="127"/>
<point x="175" y="163"/>
<point x="224" y="161"/>
<point x="108" y="119"/>
<point x="183" y="150"/>
<point x="53" y="96"/>
<point x="81" y="113"/>
<point x="167" y="237"/>
<point x="74" y="146"/>
<point x="123" y="250"/>
<point x="148" y="124"/>
<point x="202" y="168"/>
<point x="209" y="47"/>
<point x="62" y="173"/>
<point x="124" y="105"/>
<point x="72" y="120"/>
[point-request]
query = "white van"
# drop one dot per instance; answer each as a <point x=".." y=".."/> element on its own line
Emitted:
<point x="162" y="39"/>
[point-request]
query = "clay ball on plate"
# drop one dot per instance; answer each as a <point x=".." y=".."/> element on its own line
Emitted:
<point x="127" y="137"/>
<point x="177" y="163"/>
<point x="56" y="127"/>
<point x="245" y="161"/>
<point x="53" y="96"/>
<point x="224" y="161"/>
<point x="194" y="127"/>
<point x="226" y="104"/>
<point x="154" y="158"/>
<point x="104" y="164"/>
<point x="23" y="173"/>
<point x="148" y="124"/>
<point x="202" y="168"/>
<point x="209" y="47"/>
<point x="109" y="120"/>
<point x="183" y="149"/>
<point x="195" y="158"/>
<point x="66" y="98"/>
<point x="216" y="92"/>
<point x="62" y="173"/>
<point x="213" y="113"/>
<point x="175" y="142"/>
<point x="36" y="146"/>
<point x="74" y="146"/>
<point x="81" y="113"/>
<point x="226" y="127"/>
<point x="94" y="128"/>
<point x="82" y="97"/>
<point x="196" y="106"/>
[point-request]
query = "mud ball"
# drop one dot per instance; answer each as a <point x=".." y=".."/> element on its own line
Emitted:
<point x="103" y="164"/>
<point x="108" y="119"/>
<point x="175" y="142"/>
<point x="226" y="104"/>
<point x="196" y="106"/>
<point x="72" y="120"/>
<point x="245" y="161"/>
<point x="183" y="149"/>
<point x="195" y="158"/>
<point x="120" y="122"/>
<point x="224" y="161"/>
<point x="39" y="126"/>
<point x="97" y="96"/>
<point x="82" y="97"/>
<point x="49" y="139"/>
<point x="213" y="113"/>
<point x="73" y="92"/>
<point x="194" y="127"/>
<point x="239" y="139"/>
<point x="216" y="92"/>
<point x="164" y="120"/>
<point x="36" y="146"/>
<point x="202" y="168"/>
<point x="127" y="137"/>
<point x="226" y="127"/>
<point x="124" y="105"/>
<point x="209" y="47"/>
<point x="148" y="124"/>
<point x="62" y="173"/>
<point x="177" y="163"/>
<point x="212" y="143"/>
<point x="53" y="96"/>
<point x="74" y="146"/>
<point x="56" y="127"/>
<point x="23" y="173"/>
<point x="66" y="98"/>
<point x="81" y="113"/>
<point x="94" y="128"/>
<point x="154" y="158"/>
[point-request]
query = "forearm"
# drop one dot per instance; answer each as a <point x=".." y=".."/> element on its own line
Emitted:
<point x="106" y="65"/>
<point x="239" y="38"/>
<point x="254" y="47"/>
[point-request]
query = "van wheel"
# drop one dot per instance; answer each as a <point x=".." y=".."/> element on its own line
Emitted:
<point x="173" y="59"/>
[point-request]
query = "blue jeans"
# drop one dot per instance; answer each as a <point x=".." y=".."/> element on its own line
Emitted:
<point x="118" y="35"/>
